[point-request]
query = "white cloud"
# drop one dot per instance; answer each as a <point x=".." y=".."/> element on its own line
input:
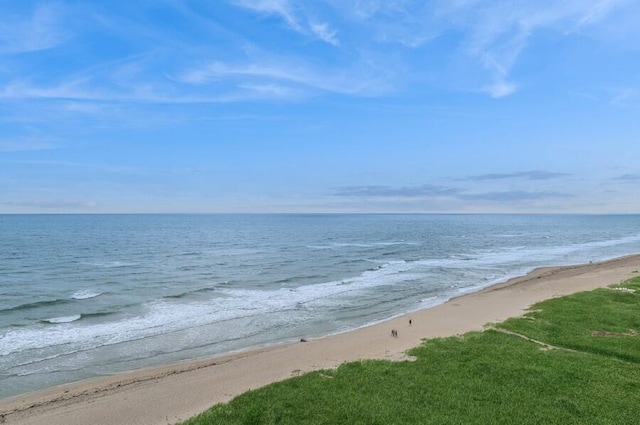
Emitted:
<point x="629" y="177"/>
<point x="280" y="8"/>
<point x="501" y="89"/>
<point x="41" y="31"/>
<point x="625" y="96"/>
<point x="287" y="76"/>
<point x="498" y="33"/>
<point x="492" y="35"/>
<point x="219" y="70"/>
<point x="489" y="36"/>
<point x="21" y="145"/>
<point x="54" y="204"/>
<point x="598" y="11"/>
<point x="325" y="33"/>
<point x="297" y="18"/>
<point x="88" y="90"/>
<point x="270" y="91"/>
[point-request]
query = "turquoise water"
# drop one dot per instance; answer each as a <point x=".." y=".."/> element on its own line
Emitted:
<point x="88" y="295"/>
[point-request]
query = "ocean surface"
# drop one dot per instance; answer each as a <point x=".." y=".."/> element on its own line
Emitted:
<point x="89" y="295"/>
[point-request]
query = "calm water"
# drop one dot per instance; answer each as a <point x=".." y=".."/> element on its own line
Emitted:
<point x="88" y="295"/>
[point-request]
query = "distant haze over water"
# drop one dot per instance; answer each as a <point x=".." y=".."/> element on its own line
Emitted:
<point x="88" y="295"/>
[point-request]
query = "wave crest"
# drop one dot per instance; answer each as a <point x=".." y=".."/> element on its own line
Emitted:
<point x="64" y="319"/>
<point x="85" y="295"/>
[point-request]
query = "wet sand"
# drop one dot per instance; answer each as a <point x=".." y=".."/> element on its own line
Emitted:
<point x="168" y="394"/>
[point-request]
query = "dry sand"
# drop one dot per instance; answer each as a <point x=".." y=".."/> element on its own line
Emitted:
<point x="175" y="392"/>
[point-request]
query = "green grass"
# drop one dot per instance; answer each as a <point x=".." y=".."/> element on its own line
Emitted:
<point x="591" y="377"/>
<point x="603" y="321"/>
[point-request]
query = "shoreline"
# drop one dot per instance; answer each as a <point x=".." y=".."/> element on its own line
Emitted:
<point x="175" y="392"/>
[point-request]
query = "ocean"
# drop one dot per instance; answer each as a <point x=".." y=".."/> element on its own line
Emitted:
<point x="91" y="295"/>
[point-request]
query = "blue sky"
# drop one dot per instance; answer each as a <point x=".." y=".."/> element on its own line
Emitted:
<point x="320" y="106"/>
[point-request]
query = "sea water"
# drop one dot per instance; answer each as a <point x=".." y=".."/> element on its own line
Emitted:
<point x="90" y="295"/>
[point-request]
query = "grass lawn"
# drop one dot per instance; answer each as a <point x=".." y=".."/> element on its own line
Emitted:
<point x="571" y="360"/>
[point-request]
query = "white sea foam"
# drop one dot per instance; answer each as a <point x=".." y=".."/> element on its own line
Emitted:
<point x="64" y="319"/>
<point x="338" y="245"/>
<point x="111" y="264"/>
<point x="164" y="317"/>
<point x="85" y="295"/>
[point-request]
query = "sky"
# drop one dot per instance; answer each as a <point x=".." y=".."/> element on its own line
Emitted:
<point x="198" y="106"/>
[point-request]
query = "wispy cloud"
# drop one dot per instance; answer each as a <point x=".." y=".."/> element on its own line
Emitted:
<point x="408" y="23"/>
<point x="53" y="204"/>
<point x="25" y="144"/>
<point x="596" y="11"/>
<point x="492" y="35"/>
<point x="288" y="76"/>
<point x="625" y="96"/>
<point x="515" y="196"/>
<point x="270" y="77"/>
<point x="527" y="175"/>
<point x="426" y="190"/>
<point x="295" y="17"/>
<point x="66" y="165"/>
<point x="325" y="33"/>
<point x="91" y="91"/>
<point x="500" y="89"/>
<point x="619" y="96"/>
<point x="270" y="90"/>
<point x="280" y="8"/>
<point x="497" y="34"/>
<point x="629" y="177"/>
<point x="40" y="31"/>
<point x="217" y="71"/>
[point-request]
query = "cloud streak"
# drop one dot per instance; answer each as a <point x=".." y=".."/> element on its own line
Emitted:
<point x="40" y="31"/>
<point x="280" y="8"/>
<point x="288" y="13"/>
<point x="525" y="175"/>
<point x="325" y="33"/>
<point x="274" y="78"/>
<point x="428" y="191"/>
<point x="88" y="91"/>
<point x="492" y="35"/>
<point x="289" y="76"/>
<point x="498" y="34"/>
<point x="629" y="177"/>
<point x="516" y="196"/>
<point x="53" y="205"/>
<point x="25" y="145"/>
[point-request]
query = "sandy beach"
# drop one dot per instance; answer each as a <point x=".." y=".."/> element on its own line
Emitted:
<point x="172" y="393"/>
